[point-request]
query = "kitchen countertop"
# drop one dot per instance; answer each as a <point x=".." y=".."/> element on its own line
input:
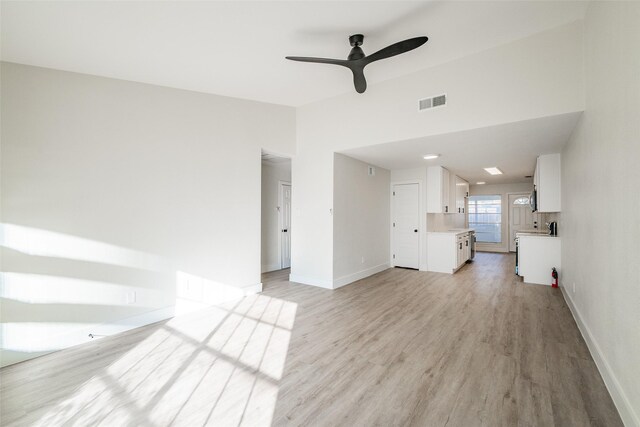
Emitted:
<point x="453" y="231"/>
<point x="533" y="234"/>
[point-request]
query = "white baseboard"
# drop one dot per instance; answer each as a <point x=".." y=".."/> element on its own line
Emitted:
<point x="100" y="330"/>
<point x="627" y="413"/>
<point x="310" y="281"/>
<point x="350" y="278"/>
<point x="253" y="289"/>
<point x="270" y="267"/>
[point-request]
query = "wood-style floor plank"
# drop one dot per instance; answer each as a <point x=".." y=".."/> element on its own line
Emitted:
<point x="478" y="348"/>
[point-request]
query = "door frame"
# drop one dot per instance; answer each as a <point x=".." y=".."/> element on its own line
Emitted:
<point x="422" y="263"/>
<point x="515" y="193"/>
<point x="280" y="203"/>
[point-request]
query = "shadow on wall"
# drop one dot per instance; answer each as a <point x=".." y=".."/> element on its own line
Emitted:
<point x="56" y="289"/>
<point x="221" y="365"/>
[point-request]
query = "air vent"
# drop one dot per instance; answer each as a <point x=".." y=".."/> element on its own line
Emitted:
<point x="433" y="102"/>
<point x="425" y="103"/>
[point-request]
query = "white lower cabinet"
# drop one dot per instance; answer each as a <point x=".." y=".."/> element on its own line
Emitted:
<point x="447" y="251"/>
<point x="537" y="256"/>
<point x="467" y="247"/>
<point x="459" y="251"/>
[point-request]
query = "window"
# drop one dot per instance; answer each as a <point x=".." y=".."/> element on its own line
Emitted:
<point x="521" y="201"/>
<point x="485" y="216"/>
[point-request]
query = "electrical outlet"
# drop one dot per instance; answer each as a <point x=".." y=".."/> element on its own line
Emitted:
<point x="362" y="260"/>
<point x="574" y="287"/>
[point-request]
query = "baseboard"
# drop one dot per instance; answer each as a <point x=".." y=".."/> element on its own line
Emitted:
<point x="81" y="335"/>
<point x="100" y="330"/>
<point x="494" y="250"/>
<point x="310" y="281"/>
<point x="270" y="267"/>
<point x="350" y="278"/>
<point x="253" y="289"/>
<point x="629" y="416"/>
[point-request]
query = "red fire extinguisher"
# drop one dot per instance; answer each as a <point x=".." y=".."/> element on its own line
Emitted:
<point x="554" y="275"/>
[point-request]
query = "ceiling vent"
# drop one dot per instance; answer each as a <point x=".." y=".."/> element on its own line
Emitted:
<point x="433" y="102"/>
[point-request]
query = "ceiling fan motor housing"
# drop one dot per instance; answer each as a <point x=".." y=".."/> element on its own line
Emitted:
<point x="356" y="53"/>
<point x="356" y="40"/>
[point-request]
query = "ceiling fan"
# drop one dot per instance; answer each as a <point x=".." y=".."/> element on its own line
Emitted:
<point x="357" y="60"/>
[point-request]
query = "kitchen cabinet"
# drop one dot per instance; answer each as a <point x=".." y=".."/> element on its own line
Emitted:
<point x="467" y="247"/>
<point x="438" y="190"/>
<point x="459" y="251"/>
<point x="461" y="189"/>
<point x="446" y="193"/>
<point x="447" y="251"/>
<point x="547" y="183"/>
<point x="537" y="255"/>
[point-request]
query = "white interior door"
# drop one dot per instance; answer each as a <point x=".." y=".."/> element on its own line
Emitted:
<point x="285" y="225"/>
<point x="520" y="217"/>
<point x="406" y="222"/>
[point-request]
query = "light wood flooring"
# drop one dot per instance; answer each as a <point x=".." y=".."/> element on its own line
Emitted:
<point x="478" y="348"/>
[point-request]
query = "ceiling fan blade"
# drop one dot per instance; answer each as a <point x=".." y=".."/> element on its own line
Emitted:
<point x="319" y="60"/>
<point x="396" y="49"/>
<point x="358" y="79"/>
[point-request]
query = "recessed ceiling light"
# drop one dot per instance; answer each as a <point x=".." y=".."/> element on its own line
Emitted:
<point x="481" y="183"/>
<point x="493" y="171"/>
<point x="430" y="156"/>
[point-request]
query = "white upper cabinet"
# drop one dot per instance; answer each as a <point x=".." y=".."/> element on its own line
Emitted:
<point x="462" y="192"/>
<point x="438" y="190"/>
<point x="446" y="193"/>
<point x="547" y="182"/>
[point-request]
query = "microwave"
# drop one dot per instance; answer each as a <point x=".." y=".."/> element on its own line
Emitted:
<point x="533" y="200"/>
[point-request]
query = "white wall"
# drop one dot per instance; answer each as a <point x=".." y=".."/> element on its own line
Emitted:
<point x="112" y="187"/>
<point x="272" y="175"/>
<point x="600" y="202"/>
<point x="502" y="190"/>
<point x="534" y="77"/>
<point x="360" y="220"/>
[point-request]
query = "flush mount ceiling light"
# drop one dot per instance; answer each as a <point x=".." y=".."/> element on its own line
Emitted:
<point x="493" y="171"/>
<point x="480" y="183"/>
<point x="430" y="156"/>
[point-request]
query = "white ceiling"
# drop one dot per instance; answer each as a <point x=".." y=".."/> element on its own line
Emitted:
<point x="511" y="147"/>
<point x="237" y="48"/>
<point x="274" y="159"/>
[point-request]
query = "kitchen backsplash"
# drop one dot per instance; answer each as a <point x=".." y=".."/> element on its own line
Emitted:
<point x="444" y="222"/>
<point x="548" y="217"/>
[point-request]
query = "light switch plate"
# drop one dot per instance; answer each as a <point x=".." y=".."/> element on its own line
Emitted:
<point x="131" y="297"/>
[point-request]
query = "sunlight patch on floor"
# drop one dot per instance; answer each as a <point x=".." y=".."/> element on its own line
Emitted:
<point x="219" y="366"/>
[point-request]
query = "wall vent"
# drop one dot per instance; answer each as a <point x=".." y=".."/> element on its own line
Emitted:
<point x="433" y="102"/>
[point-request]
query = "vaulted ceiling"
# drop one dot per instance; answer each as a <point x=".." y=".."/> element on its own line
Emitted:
<point x="237" y="48"/>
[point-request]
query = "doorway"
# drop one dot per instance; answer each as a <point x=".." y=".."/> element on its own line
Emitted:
<point x="520" y="217"/>
<point x="275" y="213"/>
<point x="406" y="225"/>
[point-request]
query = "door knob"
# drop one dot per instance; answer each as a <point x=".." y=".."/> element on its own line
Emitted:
<point x="415" y="231"/>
